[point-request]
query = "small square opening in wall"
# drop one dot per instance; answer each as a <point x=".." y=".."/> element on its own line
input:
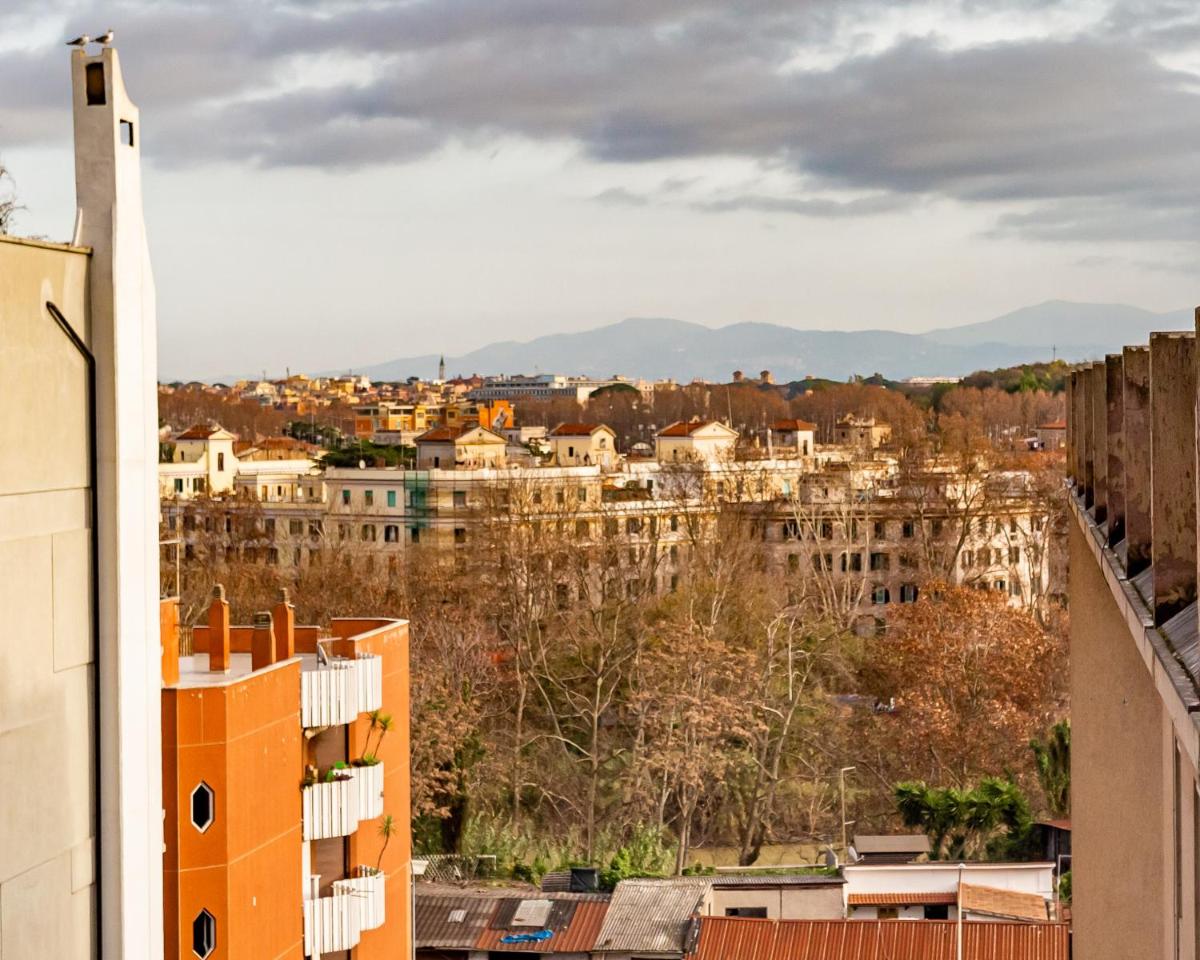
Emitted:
<point x="93" y="83"/>
<point x="127" y="132"/>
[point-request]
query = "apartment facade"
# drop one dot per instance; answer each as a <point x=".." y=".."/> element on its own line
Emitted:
<point x="1135" y="652"/>
<point x="286" y="801"/>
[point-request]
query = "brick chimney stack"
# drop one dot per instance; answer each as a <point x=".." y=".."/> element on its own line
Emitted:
<point x="218" y="631"/>
<point x="262" y="643"/>
<point x="283" y="621"/>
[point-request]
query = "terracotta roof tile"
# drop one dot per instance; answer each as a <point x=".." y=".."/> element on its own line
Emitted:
<point x="577" y="429"/>
<point x="997" y="902"/>
<point x="899" y="899"/>
<point x="793" y="425"/>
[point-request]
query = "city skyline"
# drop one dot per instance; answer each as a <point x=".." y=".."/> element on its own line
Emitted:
<point x="421" y="173"/>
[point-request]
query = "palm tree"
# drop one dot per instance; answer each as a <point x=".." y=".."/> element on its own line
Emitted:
<point x="384" y="720"/>
<point x="386" y="828"/>
<point x="1053" y="761"/>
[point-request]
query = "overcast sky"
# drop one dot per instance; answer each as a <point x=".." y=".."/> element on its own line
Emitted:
<point x="331" y="184"/>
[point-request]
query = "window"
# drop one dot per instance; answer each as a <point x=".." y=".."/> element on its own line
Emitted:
<point x="674" y="524"/>
<point x="880" y="595"/>
<point x="851" y="563"/>
<point x="273" y="556"/>
<point x="343" y="531"/>
<point x="826" y="529"/>
<point x="297" y="556"/>
<point x="880" y="561"/>
<point x="269" y="527"/>
<point x="758" y="912"/>
<point x="1014" y="554"/>
<point x="315" y="529"/>
<point x="581" y="494"/>
<point x="720" y="488"/>
<point x="345" y="498"/>
<point x="203" y="805"/>
<point x="793" y="562"/>
<point x="967" y="559"/>
<point x="908" y="593"/>
<point x="560" y="497"/>
<point x="179" y="485"/>
<point x="204" y="934"/>
<point x="937" y="911"/>
<point x="460" y="534"/>
<point x="93" y="77"/>
<point x="367" y="534"/>
<point x="391" y="533"/>
<point x="935" y="527"/>
<point x="1001" y="586"/>
<point x="633" y="525"/>
<point x="171" y="522"/>
<point x="581" y="528"/>
<point x="537" y="496"/>
<point x="295" y="527"/>
<point x="880" y="530"/>
<point x="887" y="913"/>
<point x="369" y="497"/>
<point x="908" y="529"/>
<point x="415" y="535"/>
<point x="791" y="530"/>
<point x="391" y="498"/>
<point x="220" y="461"/>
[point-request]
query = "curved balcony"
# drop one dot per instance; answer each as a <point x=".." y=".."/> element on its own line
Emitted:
<point x="367" y="889"/>
<point x="331" y="809"/>
<point x="332" y="923"/>
<point x="337" y="692"/>
<point x="369" y="784"/>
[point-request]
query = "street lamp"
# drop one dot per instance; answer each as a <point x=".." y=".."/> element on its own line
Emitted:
<point x="842" y="789"/>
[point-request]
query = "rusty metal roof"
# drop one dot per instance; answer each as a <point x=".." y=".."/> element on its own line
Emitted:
<point x="574" y="924"/>
<point x="736" y="938"/>
<point x="651" y="916"/>
<point x="454" y="920"/>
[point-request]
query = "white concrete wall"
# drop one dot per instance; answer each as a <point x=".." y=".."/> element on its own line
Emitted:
<point x="122" y="304"/>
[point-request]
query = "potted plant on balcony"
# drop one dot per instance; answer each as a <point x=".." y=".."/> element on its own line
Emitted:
<point x="383" y="723"/>
<point x="387" y="827"/>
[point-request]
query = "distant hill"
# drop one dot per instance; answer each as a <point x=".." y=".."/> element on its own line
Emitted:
<point x="1078" y="330"/>
<point x="660" y="347"/>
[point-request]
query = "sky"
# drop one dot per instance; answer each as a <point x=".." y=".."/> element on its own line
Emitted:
<point x="331" y="184"/>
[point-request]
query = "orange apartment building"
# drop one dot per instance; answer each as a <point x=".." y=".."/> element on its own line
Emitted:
<point x="387" y="417"/>
<point x="277" y="778"/>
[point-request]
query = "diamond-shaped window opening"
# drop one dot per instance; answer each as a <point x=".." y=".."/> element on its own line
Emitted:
<point x="203" y="807"/>
<point x="204" y="934"/>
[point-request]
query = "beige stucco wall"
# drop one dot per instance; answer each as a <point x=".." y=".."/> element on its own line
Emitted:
<point x="1121" y="814"/>
<point x="783" y="903"/>
<point x="47" y="802"/>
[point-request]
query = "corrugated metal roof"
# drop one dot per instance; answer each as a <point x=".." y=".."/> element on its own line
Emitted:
<point x="899" y="899"/>
<point x="454" y="920"/>
<point x="574" y="923"/>
<point x="772" y="880"/>
<point x="730" y="938"/>
<point x="651" y="916"/>
<point x="998" y="902"/>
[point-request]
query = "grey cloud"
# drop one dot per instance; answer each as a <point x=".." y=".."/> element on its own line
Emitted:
<point x="1053" y="125"/>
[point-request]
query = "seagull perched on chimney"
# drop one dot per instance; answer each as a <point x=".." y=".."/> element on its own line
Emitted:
<point x="105" y="38"/>
<point x="80" y="42"/>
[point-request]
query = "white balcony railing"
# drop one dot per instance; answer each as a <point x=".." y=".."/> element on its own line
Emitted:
<point x="369" y="783"/>
<point x="332" y="923"/>
<point x="366" y="887"/>
<point x="337" y="692"/>
<point x="331" y="809"/>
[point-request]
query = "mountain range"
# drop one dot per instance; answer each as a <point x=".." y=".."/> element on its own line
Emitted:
<point x="661" y="347"/>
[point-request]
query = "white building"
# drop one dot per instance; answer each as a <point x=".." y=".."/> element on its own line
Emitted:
<point x="933" y="891"/>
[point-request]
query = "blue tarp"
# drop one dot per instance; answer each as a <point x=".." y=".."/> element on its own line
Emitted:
<point x="539" y="937"/>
